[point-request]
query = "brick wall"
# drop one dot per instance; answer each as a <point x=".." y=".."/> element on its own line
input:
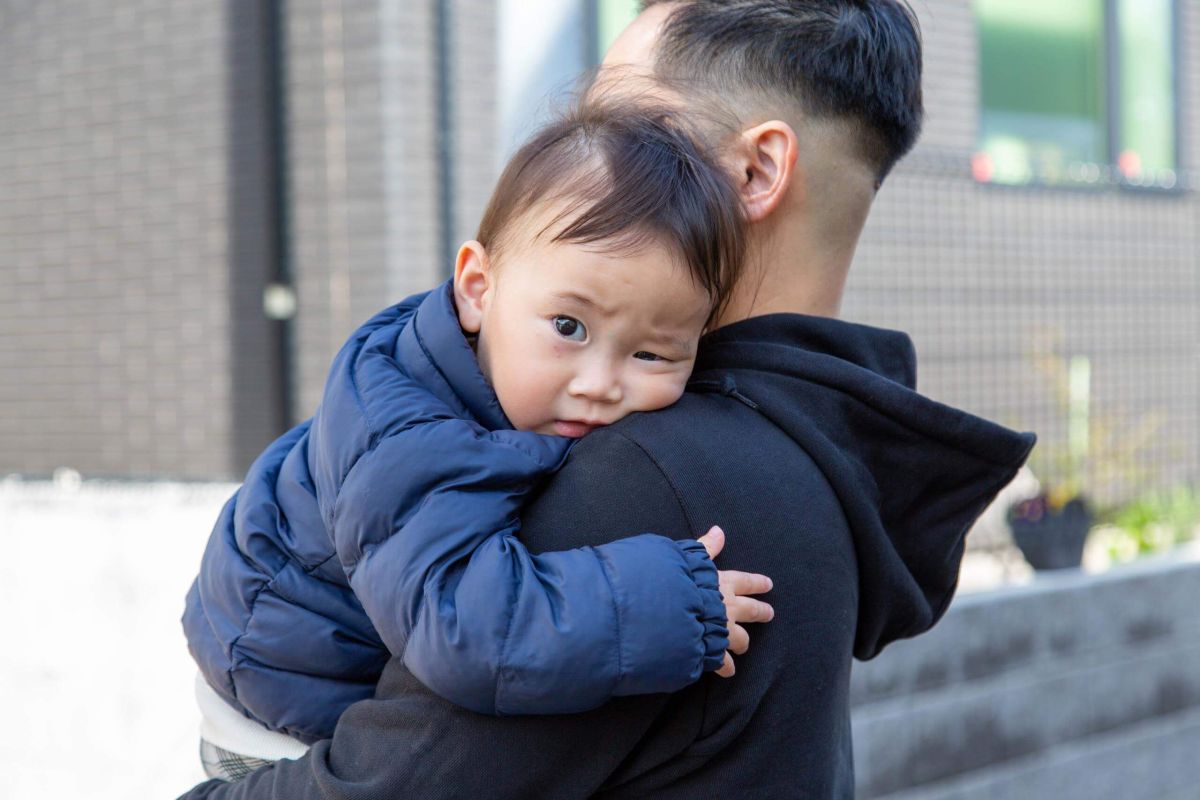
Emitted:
<point x="978" y="274"/>
<point x="132" y="230"/>
<point x="114" y="347"/>
<point x="135" y="222"/>
<point x="367" y="191"/>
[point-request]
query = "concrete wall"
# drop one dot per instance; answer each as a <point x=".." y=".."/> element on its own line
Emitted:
<point x="1074" y="686"/>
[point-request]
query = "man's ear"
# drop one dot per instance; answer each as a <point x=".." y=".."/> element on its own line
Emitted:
<point x="766" y="164"/>
<point x="472" y="282"/>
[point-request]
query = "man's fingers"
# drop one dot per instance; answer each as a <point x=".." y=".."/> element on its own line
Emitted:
<point x="726" y="670"/>
<point x="739" y="640"/>
<point x="747" y="609"/>
<point x="735" y="582"/>
<point x="713" y="541"/>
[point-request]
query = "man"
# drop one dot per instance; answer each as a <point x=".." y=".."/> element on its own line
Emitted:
<point x="800" y="435"/>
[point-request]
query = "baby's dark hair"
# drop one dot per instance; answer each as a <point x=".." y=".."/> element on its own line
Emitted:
<point x="630" y="176"/>
<point x="853" y="60"/>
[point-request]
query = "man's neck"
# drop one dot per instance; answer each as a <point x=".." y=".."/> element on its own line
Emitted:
<point x="799" y="256"/>
<point x="795" y="285"/>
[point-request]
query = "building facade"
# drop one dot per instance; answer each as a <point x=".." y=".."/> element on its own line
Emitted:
<point x="164" y="167"/>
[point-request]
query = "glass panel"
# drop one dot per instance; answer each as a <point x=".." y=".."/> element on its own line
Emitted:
<point x="611" y="18"/>
<point x="1147" y="124"/>
<point x="1042" y="90"/>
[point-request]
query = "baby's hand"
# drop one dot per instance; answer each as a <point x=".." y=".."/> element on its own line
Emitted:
<point x="735" y="586"/>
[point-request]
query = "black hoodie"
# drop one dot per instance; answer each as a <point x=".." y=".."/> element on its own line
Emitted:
<point x="804" y="439"/>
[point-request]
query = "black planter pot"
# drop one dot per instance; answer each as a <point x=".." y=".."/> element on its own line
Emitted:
<point x="1050" y="538"/>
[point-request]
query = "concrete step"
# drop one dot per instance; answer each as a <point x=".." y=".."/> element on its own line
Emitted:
<point x="1009" y="674"/>
<point x="933" y="736"/>
<point x="1060" y="615"/>
<point x="1155" y="760"/>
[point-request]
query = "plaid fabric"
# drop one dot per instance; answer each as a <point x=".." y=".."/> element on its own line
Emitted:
<point x="228" y="766"/>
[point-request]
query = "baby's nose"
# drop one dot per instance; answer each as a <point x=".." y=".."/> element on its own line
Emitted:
<point x="599" y="382"/>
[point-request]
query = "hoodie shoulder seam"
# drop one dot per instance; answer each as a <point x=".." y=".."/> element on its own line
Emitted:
<point x="666" y="479"/>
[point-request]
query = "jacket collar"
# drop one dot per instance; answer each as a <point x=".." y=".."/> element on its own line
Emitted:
<point x="437" y="342"/>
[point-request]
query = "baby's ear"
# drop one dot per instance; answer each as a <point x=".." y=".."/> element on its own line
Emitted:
<point x="472" y="277"/>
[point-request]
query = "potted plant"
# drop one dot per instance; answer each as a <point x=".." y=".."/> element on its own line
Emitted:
<point x="1050" y="535"/>
<point x="1098" y="459"/>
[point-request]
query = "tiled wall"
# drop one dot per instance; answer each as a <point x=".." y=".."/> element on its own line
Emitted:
<point x="114" y="159"/>
<point x="366" y="135"/>
<point x="979" y="275"/>
<point x="135" y="218"/>
<point x="134" y="233"/>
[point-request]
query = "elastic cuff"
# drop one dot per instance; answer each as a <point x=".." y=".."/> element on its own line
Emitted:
<point x="712" y="605"/>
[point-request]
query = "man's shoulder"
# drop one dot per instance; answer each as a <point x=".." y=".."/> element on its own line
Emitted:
<point x="713" y="438"/>
<point x="709" y="459"/>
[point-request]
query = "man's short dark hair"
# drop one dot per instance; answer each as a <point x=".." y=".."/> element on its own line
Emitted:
<point x="629" y="175"/>
<point x="857" y="61"/>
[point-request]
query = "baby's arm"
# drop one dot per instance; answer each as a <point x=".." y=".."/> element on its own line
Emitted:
<point x="489" y="625"/>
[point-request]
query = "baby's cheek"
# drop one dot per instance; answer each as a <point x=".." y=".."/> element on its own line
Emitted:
<point x="528" y="395"/>
<point x="663" y="391"/>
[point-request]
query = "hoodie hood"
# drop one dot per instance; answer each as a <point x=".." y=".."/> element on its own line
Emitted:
<point x="911" y="474"/>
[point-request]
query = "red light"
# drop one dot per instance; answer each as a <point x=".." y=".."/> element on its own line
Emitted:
<point x="1130" y="164"/>
<point x="982" y="168"/>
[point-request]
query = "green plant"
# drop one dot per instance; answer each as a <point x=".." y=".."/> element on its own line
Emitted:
<point x="1100" y="458"/>
<point x="1153" y="522"/>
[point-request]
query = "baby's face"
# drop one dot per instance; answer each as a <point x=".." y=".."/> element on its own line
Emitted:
<point x="572" y="338"/>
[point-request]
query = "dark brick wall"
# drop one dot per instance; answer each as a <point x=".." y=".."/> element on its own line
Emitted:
<point x="134" y="232"/>
<point x="135" y="221"/>
<point x="365" y="153"/>
<point x="114" y="321"/>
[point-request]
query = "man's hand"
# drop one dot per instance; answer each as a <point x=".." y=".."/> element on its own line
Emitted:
<point x="739" y="608"/>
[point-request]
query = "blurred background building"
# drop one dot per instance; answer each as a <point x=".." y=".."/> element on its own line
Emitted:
<point x="200" y="200"/>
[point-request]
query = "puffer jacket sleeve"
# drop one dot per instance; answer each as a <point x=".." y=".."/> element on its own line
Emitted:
<point x="487" y="624"/>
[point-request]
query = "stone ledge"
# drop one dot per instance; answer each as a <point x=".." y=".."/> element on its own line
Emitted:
<point x="1009" y="676"/>
<point x="1154" y="759"/>
<point x="937" y="735"/>
<point x="1068" y="615"/>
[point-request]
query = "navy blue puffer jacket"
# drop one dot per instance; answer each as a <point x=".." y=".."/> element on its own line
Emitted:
<point x="387" y="522"/>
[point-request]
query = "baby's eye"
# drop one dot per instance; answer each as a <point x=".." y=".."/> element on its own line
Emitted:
<point x="646" y="355"/>
<point x="570" y="328"/>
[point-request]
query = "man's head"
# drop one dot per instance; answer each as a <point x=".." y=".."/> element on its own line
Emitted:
<point x="852" y="62"/>
<point x="823" y="96"/>
<point x="610" y="240"/>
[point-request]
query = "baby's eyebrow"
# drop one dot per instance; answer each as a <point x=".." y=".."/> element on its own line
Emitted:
<point x="582" y="300"/>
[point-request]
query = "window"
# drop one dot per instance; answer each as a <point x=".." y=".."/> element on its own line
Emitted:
<point x="1146" y="131"/>
<point x="1077" y="92"/>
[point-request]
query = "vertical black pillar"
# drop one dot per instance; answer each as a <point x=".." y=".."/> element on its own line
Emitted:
<point x="258" y="240"/>
<point x="445" y="136"/>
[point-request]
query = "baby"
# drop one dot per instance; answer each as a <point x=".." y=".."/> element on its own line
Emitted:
<point x="386" y="524"/>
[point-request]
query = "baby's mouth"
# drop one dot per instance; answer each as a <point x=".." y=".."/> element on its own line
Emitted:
<point x="574" y="429"/>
